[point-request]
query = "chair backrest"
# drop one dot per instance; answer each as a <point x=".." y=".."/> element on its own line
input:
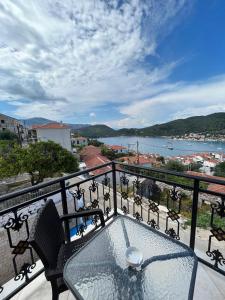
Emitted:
<point x="47" y="234"/>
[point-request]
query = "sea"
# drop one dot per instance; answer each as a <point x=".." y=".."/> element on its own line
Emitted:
<point x="165" y="146"/>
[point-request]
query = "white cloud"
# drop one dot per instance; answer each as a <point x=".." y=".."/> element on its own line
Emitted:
<point x="80" y="53"/>
<point x="92" y="115"/>
<point x="179" y="101"/>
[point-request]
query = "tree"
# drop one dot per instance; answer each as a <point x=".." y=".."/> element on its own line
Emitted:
<point x="161" y="159"/>
<point x="40" y="160"/>
<point x="95" y="143"/>
<point x="10" y="159"/>
<point x="109" y="153"/>
<point x="8" y="136"/>
<point x="45" y="159"/>
<point x="195" y="166"/>
<point x="174" y="165"/>
<point x="220" y="169"/>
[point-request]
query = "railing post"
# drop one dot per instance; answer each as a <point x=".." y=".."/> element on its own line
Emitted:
<point x="65" y="208"/>
<point x="114" y="187"/>
<point x="194" y="213"/>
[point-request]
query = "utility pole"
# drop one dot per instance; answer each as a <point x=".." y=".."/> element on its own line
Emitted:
<point x="137" y="152"/>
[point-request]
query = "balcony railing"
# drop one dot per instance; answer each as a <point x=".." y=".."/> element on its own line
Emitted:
<point x="174" y="203"/>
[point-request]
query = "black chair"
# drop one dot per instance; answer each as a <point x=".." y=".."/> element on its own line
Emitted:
<point x="47" y="237"/>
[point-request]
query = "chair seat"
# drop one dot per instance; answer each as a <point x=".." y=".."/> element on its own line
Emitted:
<point x="65" y="252"/>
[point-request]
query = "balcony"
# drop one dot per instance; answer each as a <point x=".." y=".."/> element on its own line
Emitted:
<point x="177" y="204"/>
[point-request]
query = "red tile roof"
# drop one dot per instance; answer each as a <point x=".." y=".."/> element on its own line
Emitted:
<point x="117" y="147"/>
<point x="80" y="138"/>
<point x="92" y="157"/>
<point x="51" y="126"/>
<point x="218" y="188"/>
<point x="142" y="159"/>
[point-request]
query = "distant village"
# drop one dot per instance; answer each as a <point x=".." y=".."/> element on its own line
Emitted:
<point x="201" y="137"/>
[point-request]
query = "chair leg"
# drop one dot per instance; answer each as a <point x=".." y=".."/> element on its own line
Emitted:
<point x="55" y="292"/>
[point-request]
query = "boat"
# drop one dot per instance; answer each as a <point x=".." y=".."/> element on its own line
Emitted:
<point x="170" y="146"/>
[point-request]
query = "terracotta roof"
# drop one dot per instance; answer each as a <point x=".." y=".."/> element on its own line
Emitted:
<point x="116" y="147"/>
<point x="51" y="126"/>
<point x="142" y="159"/>
<point x="217" y="188"/>
<point x="80" y="138"/>
<point x="92" y="157"/>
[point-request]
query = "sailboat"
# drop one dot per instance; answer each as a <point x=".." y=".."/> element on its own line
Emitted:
<point x="169" y="146"/>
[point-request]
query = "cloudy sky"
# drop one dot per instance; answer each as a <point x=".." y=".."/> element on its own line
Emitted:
<point x="125" y="63"/>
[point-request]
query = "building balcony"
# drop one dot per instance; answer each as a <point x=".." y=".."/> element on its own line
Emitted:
<point x="176" y="204"/>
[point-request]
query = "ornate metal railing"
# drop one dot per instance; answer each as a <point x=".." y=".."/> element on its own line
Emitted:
<point x="167" y="201"/>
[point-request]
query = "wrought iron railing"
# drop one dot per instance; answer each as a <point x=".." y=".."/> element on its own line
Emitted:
<point x="165" y="200"/>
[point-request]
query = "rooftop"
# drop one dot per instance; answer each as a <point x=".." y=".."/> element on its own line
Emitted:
<point x="51" y="126"/>
<point x="92" y="157"/>
<point x="116" y="147"/>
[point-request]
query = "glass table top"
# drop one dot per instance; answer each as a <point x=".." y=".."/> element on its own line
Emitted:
<point x="100" y="271"/>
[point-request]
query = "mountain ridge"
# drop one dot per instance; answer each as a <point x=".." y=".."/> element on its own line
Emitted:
<point x="212" y="123"/>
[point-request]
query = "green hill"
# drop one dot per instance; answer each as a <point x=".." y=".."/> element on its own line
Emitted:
<point x="95" y="131"/>
<point x="214" y="123"/>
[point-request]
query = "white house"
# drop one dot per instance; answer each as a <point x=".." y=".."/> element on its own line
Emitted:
<point x="209" y="166"/>
<point x="118" y="149"/>
<point x="79" y="141"/>
<point x="56" y="132"/>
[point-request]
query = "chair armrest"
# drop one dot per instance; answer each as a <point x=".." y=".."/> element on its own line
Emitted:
<point x="85" y="213"/>
<point x="52" y="274"/>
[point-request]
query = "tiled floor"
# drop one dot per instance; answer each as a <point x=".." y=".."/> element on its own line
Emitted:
<point x="209" y="286"/>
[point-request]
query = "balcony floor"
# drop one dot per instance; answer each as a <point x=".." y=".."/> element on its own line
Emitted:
<point x="209" y="286"/>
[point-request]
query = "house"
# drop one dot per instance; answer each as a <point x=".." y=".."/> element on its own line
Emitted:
<point x="212" y="187"/>
<point x="118" y="149"/>
<point x="209" y="166"/>
<point x="14" y="126"/>
<point x="143" y="160"/>
<point x="79" y="141"/>
<point x="92" y="157"/>
<point x="56" y="132"/>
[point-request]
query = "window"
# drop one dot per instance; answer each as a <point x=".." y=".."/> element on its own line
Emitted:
<point x="2" y="121"/>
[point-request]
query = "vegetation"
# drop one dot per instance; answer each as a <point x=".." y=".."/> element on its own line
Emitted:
<point x="214" y="123"/>
<point x="161" y="159"/>
<point x="95" y="143"/>
<point x="174" y="165"/>
<point x="220" y="170"/>
<point x="109" y="153"/>
<point x="39" y="160"/>
<point x="8" y="136"/>
<point x="96" y="131"/>
<point x="10" y="159"/>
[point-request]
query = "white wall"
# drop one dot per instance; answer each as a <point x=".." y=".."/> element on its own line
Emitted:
<point x="60" y="136"/>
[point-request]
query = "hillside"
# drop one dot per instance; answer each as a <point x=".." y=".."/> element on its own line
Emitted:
<point x="214" y="123"/>
<point x="95" y="131"/>
<point x="36" y="121"/>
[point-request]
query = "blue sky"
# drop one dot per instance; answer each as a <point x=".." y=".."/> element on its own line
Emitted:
<point x="122" y="63"/>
